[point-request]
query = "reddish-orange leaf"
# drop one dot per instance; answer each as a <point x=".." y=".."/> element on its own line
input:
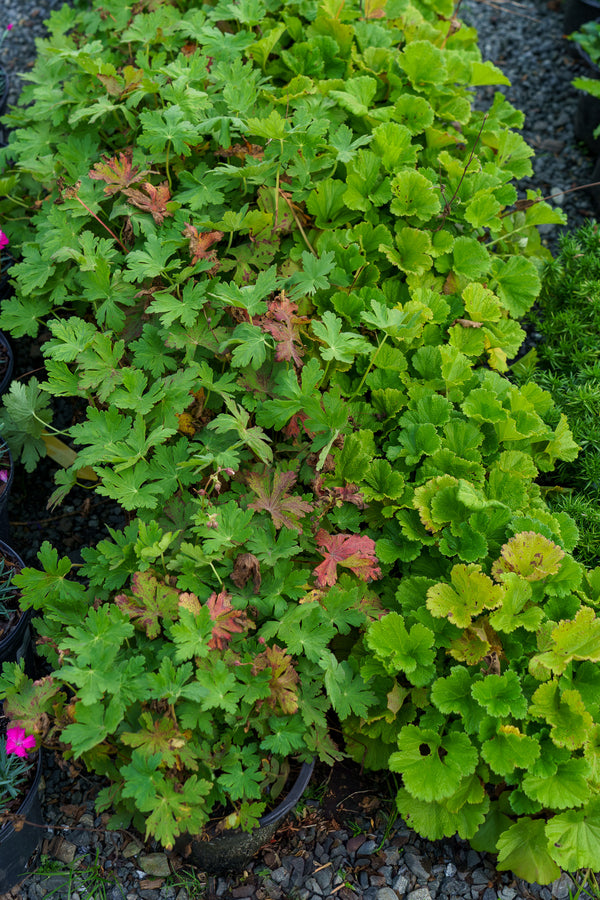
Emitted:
<point x="118" y="172"/>
<point x="284" y="678"/>
<point x="151" y="199"/>
<point x="283" y="324"/>
<point x="227" y="619"/>
<point x="200" y="244"/>
<point x="283" y="509"/>
<point x="349" y="550"/>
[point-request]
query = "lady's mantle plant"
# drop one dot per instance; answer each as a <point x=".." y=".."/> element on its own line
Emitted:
<point x="281" y="258"/>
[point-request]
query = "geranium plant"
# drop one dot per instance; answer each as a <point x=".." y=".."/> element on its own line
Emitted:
<point x="282" y="263"/>
<point x="194" y="701"/>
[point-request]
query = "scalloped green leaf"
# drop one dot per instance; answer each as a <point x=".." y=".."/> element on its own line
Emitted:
<point x="413" y="195"/>
<point x="523" y="849"/>
<point x="469" y="594"/>
<point x="530" y="555"/>
<point x="565" y="712"/>
<point x="432" y="765"/>
<point x="567" y="787"/>
<point x="452" y="694"/>
<point x="423" y="63"/>
<point x="578" y="639"/>
<point x="509" y="749"/>
<point x="501" y="695"/>
<point x="515" y="612"/>
<point x="574" y="837"/>
<point x="400" y="650"/>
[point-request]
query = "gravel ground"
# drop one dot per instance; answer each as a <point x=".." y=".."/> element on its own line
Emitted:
<point x="340" y="843"/>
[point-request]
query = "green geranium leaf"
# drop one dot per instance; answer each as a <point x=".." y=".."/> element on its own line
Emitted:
<point x="423" y="63"/>
<point x="401" y="650"/>
<point x="567" y="787"/>
<point x="576" y="640"/>
<point x="516" y="282"/>
<point x="523" y="849"/>
<point x="432" y="766"/>
<point x="501" y="695"/>
<point x="574" y="837"/>
<point x="564" y="711"/>
<point x="515" y="611"/>
<point x="509" y="749"/>
<point x="452" y="694"/>
<point x="413" y="195"/>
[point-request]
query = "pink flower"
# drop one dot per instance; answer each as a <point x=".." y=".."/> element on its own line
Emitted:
<point x="17" y="742"/>
<point x="3" y="240"/>
<point x="4" y="475"/>
<point x="9" y="27"/>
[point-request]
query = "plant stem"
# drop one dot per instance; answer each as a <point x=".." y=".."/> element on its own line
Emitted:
<point x="100" y="222"/>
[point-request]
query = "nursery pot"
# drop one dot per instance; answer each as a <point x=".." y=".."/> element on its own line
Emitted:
<point x="5" y="492"/>
<point x="6" y="262"/>
<point x="587" y="119"/>
<point x="578" y="12"/>
<point x="232" y="850"/>
<point x="4" y="86"/>
<point x="17" y="847"/>
<point x="7" y="362"/>
<point x="17" y="643"/>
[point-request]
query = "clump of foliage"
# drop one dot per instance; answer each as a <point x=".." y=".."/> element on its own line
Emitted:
<point x="281" y="258"/>
<point x="566" y="364"/>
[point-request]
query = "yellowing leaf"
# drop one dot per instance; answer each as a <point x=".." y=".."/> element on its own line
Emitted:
<point x="470" y="593"/>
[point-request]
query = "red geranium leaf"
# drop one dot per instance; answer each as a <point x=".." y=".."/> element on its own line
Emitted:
<point x="118" y="172"/>
<point x="349" y="550"/>
<point x="200" y="244"/>
<point x="151" y="199"/>
<point x="284" y="510"/>
<point x="282" y="323"/>
<point x="227" y="619"/>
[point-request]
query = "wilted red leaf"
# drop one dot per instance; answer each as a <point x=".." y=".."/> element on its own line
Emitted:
<point x="282" y="323"/>
<point x="118" y="172"/>
<point x="284" y="678"/>
<point x="246" y="567"/>
<point x="284" y="510"/>
<point x="154" y="200"/>
<point x="200" y="244"/>
<point x="349" y="550"/>
<point x="227" y="619"/>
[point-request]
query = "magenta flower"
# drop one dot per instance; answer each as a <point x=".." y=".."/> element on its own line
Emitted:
<point x="3" y="240"/>
<point x="17" y="742"/>
<point x="9" y="27"/>
<point x="4" y="475"/>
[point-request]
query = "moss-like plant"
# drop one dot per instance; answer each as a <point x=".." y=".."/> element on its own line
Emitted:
<point x="565" y="362"/>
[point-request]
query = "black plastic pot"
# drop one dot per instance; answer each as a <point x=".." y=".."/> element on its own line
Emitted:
<point x="17" y="848"/>
<point x="4" y="88"/>
<point x="578" y="12"/>
<point x="18" y="643"/>
<point x="587" y="119"/>
<point x="7" y="361"/>
<point x="5" y="487"/>
<point x="6" y="262"/>
<point x="232" y="850"/>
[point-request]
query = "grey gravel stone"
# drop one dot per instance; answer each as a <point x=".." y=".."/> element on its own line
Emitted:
<point x="562" y="886"/>
<point x="416" y="866"/>
<point x="281" y="876"/>
<point x="419" y="894"/>
<point x="386" y="893"/>
<point x="400" y="884"/>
